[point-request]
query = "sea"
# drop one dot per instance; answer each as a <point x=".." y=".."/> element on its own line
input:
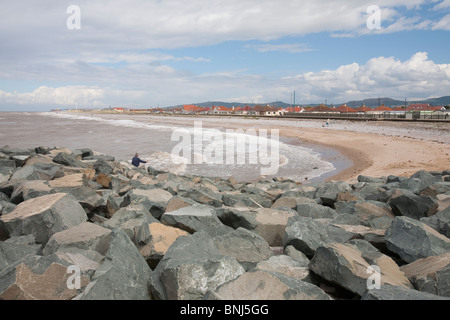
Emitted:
<point x="213" y="147"/>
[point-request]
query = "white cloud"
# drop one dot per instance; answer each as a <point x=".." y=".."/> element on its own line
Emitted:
<point x="417" y="77"/>
<point x="381" y="76"/>
<point x="442" y="24"/>
<point x="138" y="24"/>
<point x="442" y="5"/>
<point x="69" y="96"/>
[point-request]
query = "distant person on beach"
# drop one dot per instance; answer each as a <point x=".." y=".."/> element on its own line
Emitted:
<point x="136" y="161"/>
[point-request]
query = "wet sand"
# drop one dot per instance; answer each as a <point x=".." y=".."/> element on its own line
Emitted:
<point x="378" y="155"/>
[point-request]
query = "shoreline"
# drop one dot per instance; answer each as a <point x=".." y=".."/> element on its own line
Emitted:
<point x="354" y="148"/>
<point x="373" y="154"/>
<point x="378" y="155"/>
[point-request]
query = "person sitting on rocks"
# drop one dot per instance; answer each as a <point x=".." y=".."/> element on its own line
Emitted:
<point x="136" y="161"/>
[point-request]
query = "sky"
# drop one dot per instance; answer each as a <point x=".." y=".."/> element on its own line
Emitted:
<point x="159" y="53"/>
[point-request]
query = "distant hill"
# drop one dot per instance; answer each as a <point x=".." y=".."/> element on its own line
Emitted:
<point x="442" y="101"/>
<point x="373" y="103"/>
<point x="278" y="104"/>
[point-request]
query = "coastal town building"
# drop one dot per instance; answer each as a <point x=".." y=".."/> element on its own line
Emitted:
<point x="412" y="111"/>
<point x="345" y="109"/>
<point x="423" y="107"/>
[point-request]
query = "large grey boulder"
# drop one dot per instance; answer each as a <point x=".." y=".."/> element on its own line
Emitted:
<point x="266" y="222"/>
<point x="388" y="292"/>
<point x="87" y="197"/>
<point x="430" y="274"/>
<point x="315" y="211"/>
<point x="237" y="217"/>
<point x="85" y="236"/>
<point x="83" y="153"/>
<point x="43" y="216"/>
<point x="265" y="285"/>
<point x="7" y="168"/>
<point x="178" y="202"/>
<point x="134" y="220"/>
<point x="102" y="166"/>
<point x="191" y="267"/>
<point x="30" y="189"/>
<point x="123" y="275"/>
<point x="195" y="218"/>
<point x="328" y="192"/>
<point x="5" y="208"/>
<point x="303" y="191"/>
<point x="436" y="189"/>
<point x="160" y="239"/>
<point x="154" y="199"/>
<point x="363" y="178"/>
<point x="271" y="223"/>
<point x="365" y="211"/>
<point x="296" y="255"/>
<point x="287" y="266"/>
<point x="246" y="247"/>
<point x="16" y="248"/>
<point x="246" y="200"/>
<point x="419" y="181"/>
<point x="41" y="278"/>
<point x="290" y="202"/>
<point x="373" y="235"/>
<point x="204" y="196"/>
<point x="7" y="187"/>
<point x="412" y="239"/>
<point x="37" y="171"/>
<point x="373" y="191"/>
<point x="69" y="181"/>
<point x="68" y="159"/>
<point x="439" y="222"/>
<point x="7" y="150"/>
<point x="350" y="266"/>
<point x="306" y="234"/>
<point x="411" y="205"/>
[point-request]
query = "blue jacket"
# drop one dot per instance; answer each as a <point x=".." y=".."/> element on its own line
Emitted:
<point x="137" y="161"/>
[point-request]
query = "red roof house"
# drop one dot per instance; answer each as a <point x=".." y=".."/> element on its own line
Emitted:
<point x="422" y="107"/>
<point x="322" y="108"/>
<point x="345" y="109"/>
<point x="363" y="108"/>
<point x="383" y="108"/>
<point x="189" y="108"/>
<point x="294" y="109"/>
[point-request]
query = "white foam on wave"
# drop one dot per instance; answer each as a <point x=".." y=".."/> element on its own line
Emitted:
<point x="114" y="122"/>
<point x="165" y="161"/>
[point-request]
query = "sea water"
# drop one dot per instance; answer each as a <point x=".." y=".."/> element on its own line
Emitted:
<point x="153" y="138"/>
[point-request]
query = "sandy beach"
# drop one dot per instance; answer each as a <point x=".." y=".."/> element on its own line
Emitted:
<point x="377" y="155"/>
<point x="374" y="148"/>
